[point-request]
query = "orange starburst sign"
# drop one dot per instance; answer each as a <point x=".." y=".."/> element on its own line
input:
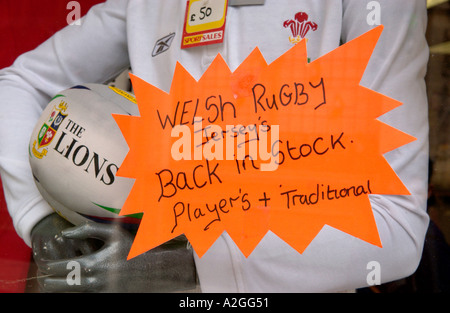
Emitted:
<point x="286" y="147"/>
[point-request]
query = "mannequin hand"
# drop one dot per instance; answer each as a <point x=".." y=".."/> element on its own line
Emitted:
<point x="101" y="251"/>
<point x="49" y="244"/>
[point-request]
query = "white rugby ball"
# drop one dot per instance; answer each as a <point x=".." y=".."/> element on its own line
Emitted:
<point x="75" y="151"/>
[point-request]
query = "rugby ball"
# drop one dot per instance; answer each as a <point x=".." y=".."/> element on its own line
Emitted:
<point x="75" y="151"/>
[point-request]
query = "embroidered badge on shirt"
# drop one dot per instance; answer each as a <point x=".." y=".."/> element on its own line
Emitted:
<point x="299" y="27"/>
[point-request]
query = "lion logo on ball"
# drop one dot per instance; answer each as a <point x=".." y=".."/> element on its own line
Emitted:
<point x="49" y="129"/>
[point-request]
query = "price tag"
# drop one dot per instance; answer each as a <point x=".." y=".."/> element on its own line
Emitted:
<point x="204" y="22"/>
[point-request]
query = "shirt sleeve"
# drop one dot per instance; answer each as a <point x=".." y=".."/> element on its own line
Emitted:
<point x="92" y="52"/>
<point x="335" y="261"/>
<point x="397" y="69"/>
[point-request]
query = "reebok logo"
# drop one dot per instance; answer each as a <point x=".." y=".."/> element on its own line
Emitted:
<point x="163" y="44"/>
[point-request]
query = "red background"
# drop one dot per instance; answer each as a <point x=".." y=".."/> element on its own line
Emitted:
<point x="24" y="25"/>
